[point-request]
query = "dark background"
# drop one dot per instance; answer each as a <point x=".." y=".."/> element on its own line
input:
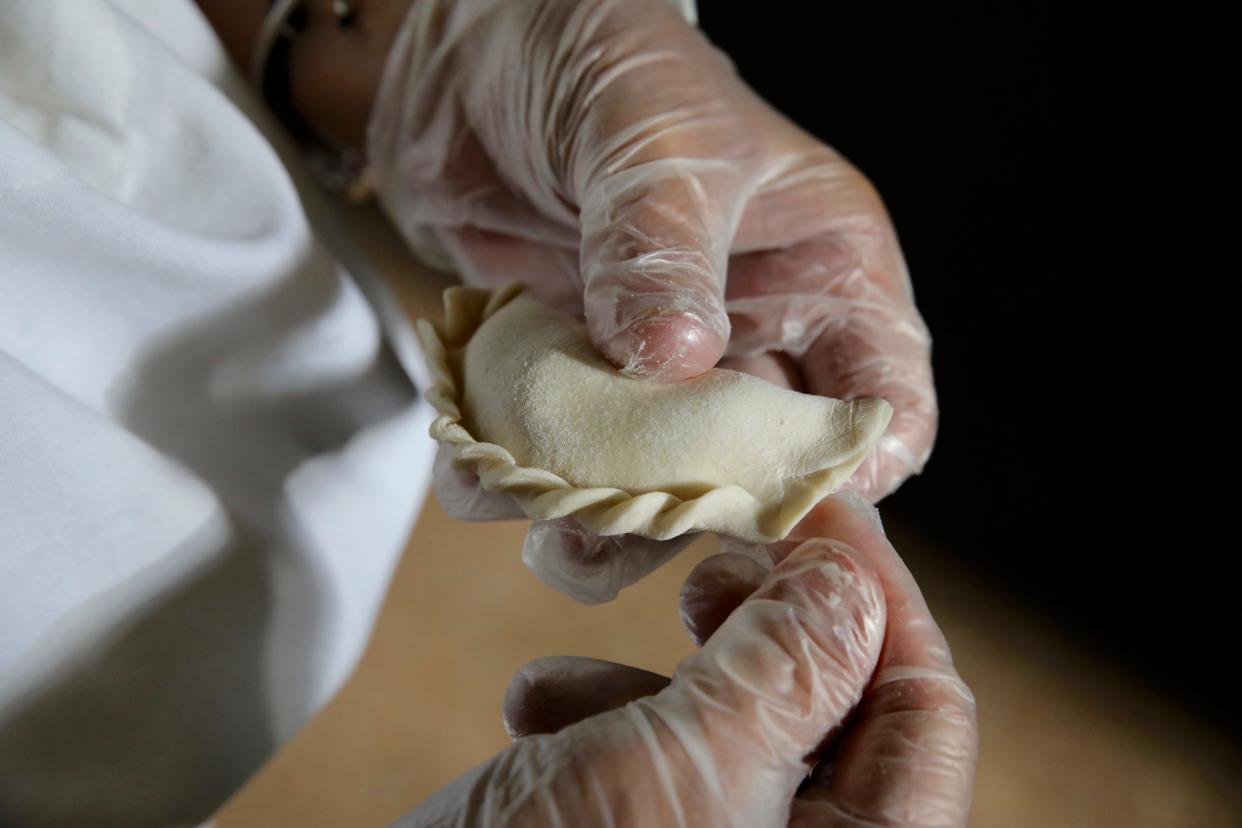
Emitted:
<point x="1065" y="195"/>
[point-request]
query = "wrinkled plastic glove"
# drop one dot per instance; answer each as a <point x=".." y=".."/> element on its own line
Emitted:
<point x="804" y="707"/>
<point x="603" y="152"/>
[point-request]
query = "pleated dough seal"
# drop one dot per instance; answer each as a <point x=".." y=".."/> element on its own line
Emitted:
<point x="528" y="404"/>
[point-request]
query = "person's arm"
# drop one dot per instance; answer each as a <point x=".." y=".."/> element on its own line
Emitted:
<point x="334" y="62"/>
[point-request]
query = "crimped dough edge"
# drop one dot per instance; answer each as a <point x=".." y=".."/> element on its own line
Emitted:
<point x="542" y="495"/>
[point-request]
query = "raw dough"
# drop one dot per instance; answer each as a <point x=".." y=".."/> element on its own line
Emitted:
<point x="529" y="405"/>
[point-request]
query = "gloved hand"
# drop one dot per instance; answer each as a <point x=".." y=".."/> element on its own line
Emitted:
<point x="731" y="738"/>
<point x="607" y="155"/>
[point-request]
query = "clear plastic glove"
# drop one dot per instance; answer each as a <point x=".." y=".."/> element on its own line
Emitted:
<point x="767" y="701"/>
<point x="607" y="155"/>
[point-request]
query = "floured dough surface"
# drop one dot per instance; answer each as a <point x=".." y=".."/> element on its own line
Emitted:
<point x="725" y="451"/>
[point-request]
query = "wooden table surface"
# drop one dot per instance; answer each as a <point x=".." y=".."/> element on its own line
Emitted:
<point x="1066" y="740"/>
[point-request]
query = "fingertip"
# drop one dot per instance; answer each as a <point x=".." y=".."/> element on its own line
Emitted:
<point x="802" y="647"/>
<point x="847" y="516"/>
<point x="862" y="507"/>
<point x="463" y="497"/>
<point x="714" y="588"/>
<point x="572" y="560"/>
<point x="842" y="597"/>
<point x="554" y="692"/>
<point x="590" y="568"/>
<point x="820" y="568"/>
<point x="914" y="638"/>
<point x="534" y="698"/>
<point x="666" y="348"/>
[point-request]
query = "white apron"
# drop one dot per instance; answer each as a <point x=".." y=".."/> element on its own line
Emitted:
<point x="209" y="457"/>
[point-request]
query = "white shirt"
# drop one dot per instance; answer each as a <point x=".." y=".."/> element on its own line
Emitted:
<point x="209" y="458"/>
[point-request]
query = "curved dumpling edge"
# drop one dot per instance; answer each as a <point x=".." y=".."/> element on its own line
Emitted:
<point x="542" y="495"/>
